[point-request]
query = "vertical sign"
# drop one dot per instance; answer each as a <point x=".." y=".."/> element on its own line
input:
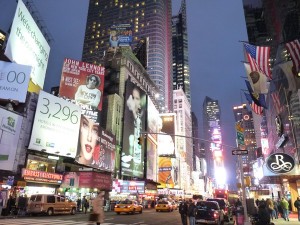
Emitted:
<point x="240" y="135"/>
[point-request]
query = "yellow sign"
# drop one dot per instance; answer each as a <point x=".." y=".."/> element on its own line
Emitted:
<point x="21" y="183"/>
<point x="238" y="127"/>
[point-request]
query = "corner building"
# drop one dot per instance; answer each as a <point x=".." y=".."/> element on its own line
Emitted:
<point x="150" y="19"/>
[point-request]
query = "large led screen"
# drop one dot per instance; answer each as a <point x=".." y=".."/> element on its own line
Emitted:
<point x="84" y="83"/>
<point x="26" y="44"/>
<point x="10" y="126"/>
<point x="134" y="123"/>
<point x="14" y="79"/>
<point x="120" y="35"/>
<point x="56" y="125"/>
<point x="166" y="140"/>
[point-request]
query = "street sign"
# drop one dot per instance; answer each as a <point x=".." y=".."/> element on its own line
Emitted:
<point x="240" y="138"/>
<point x="239" y="152"/>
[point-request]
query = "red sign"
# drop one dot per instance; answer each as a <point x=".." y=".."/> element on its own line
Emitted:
<point x="41" y="177"/>
<point x="95" y="180"/>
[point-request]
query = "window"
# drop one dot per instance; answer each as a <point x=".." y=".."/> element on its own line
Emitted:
<point x="50" y="199"/>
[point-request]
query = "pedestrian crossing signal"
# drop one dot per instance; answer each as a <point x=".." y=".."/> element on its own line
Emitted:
<point x="140" y="140"/>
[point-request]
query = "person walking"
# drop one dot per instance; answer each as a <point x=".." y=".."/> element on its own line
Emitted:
<point x="192" y="209"/>
<point x="297" y="206"/>
<point x="85" y="204"/>
<point x="285" y="209"/>
<point x="98" y="212"/>
<point x="263" y="215"/>
<point x="183" y="210"/>
<point x="270" y="207"/>
<point x="276" y="211"/>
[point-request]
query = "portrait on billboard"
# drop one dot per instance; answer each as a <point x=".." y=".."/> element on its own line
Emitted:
<point x="88" y="144"/>
<point x="89" y="93"/>
<point x="134" y="124"/>
<point x="113" y="38"/>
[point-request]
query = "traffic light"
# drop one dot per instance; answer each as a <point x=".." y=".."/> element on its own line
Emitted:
<point x="140" y="140"/>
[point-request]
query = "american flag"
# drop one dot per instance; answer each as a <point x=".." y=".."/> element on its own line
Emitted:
<point x="255" y="108"/>
<point x="294" y="49"/>
<point x="258" y="57"/>
<point x="276" y="102"/>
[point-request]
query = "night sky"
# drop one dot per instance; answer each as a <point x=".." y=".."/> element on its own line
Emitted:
<point x="215" y="29"/>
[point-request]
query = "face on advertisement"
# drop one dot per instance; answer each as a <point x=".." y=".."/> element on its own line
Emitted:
<point x="136" y="96"/>
<point x="88" y="140"/>
<point x="93" y="81"/>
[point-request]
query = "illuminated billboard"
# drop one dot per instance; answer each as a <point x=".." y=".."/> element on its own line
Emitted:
<point x="168" y="172"/>
<point x="120" y="35"/>
<point x="26" y="44"/>
<point x="84" y="83"/>
<point x="166" y="140"/>
<point x="132" y="159"/>
<point x="128" y="186"/>
<point x="56" y="125"/>
<point x="14" y="79"/>
<point x="10" y="126"/>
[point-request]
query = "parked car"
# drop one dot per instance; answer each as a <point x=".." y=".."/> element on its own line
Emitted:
<point x="224" y="205"/>
<point x="209" y="212"/>
<point x="163" y="206"/>
<point x="50" y="204"/>
<point x="128" y="206"/>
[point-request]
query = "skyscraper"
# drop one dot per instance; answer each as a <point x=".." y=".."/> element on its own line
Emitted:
<point x="149" y="19"/>
<point x="181" y="69"/>
<point x="212" y="135"/>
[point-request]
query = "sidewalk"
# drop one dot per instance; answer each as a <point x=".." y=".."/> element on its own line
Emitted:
<point x="293" y="220"/>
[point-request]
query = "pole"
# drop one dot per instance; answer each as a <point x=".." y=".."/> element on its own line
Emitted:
<point x="246" y="218"/>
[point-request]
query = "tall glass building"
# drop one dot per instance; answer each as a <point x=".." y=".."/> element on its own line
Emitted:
<point x="150" y="19"/>
<point x="181" y="68"/>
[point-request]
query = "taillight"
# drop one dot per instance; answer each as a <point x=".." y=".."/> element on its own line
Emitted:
<point x="216" y="215"/>
<point x="116" y="206"/>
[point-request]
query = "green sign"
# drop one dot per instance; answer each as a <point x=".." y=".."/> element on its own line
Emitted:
<point x="240" y="138"/>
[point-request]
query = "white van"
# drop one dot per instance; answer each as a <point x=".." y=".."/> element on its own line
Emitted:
<point x="50" y="204"/>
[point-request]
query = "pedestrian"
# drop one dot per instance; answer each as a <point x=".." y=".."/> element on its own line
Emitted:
<point x="285" y="209"/>
<point x="192" y="210"/>
<point x="270" y="207"/>
<point x="183" y="210"/>
<point x="22" y="205"/>
<point x="276" y="211"/>
<point x="78" y="204"/>
<point x="297" y="206"/>
<point x="85" y="204"/>
<point x="98" y="212"/>
<point x="263" y="215"/>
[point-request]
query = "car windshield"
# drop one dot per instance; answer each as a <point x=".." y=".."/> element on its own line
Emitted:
<point x="207" y="205"/>
<point x="220" y="201"/>
<point x="163" y="202"/>
<point x="126" y="202"/>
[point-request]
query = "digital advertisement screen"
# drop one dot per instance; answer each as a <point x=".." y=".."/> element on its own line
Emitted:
<point x="10" y="126"/>
<point x="166" y="140"/>
<point x="120" y="35"/>
<point x="27" y="45"/>
<point x="56" y="126"/>
<point x="168" y="172"/>
<point x="132" y="158"/>
<point x="14" y="79"/>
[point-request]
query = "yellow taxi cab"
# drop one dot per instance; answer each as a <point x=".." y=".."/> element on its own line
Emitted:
<point x="174" y="205"/>
<point x="163" y="206"/>
<point x="128" y="206"/>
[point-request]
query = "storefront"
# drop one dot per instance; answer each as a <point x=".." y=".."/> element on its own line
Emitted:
<point x="40" y="182"/>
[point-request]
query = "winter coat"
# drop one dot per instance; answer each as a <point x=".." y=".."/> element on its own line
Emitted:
<point x="98" y="208"/>
<point x="297" y="204"/>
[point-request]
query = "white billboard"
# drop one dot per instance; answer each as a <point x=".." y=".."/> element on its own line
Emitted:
<point x="56" y="126"/>
<point x="14" y="79"/>
<point x="10" y="126"/>
<point x="27" y="45"/>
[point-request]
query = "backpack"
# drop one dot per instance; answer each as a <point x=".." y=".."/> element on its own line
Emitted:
<point x="182" y="208"/>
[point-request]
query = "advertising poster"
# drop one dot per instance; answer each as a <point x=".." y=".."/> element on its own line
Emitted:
<point x="14" y="79"/>
<point x="83" y="82"/>
<point x="106" y="157"/>
<point x="56" y="125"/>
<point x="96" y="146"/>
<point x="132" y="158"/>
<point x="26" y="44"/>
<point x="168" y="172"/>
<point x="151" y="160"/>
<point x="153" y="119"/>
<point x="128" y="186"/>
<point x="10" y="126"/>
<point x="120" y="35"/>
<point x="95" y="180"/>
<point x="166" y="140"/>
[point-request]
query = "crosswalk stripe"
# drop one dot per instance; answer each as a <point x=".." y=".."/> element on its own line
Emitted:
<point x="53" y="222"/>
